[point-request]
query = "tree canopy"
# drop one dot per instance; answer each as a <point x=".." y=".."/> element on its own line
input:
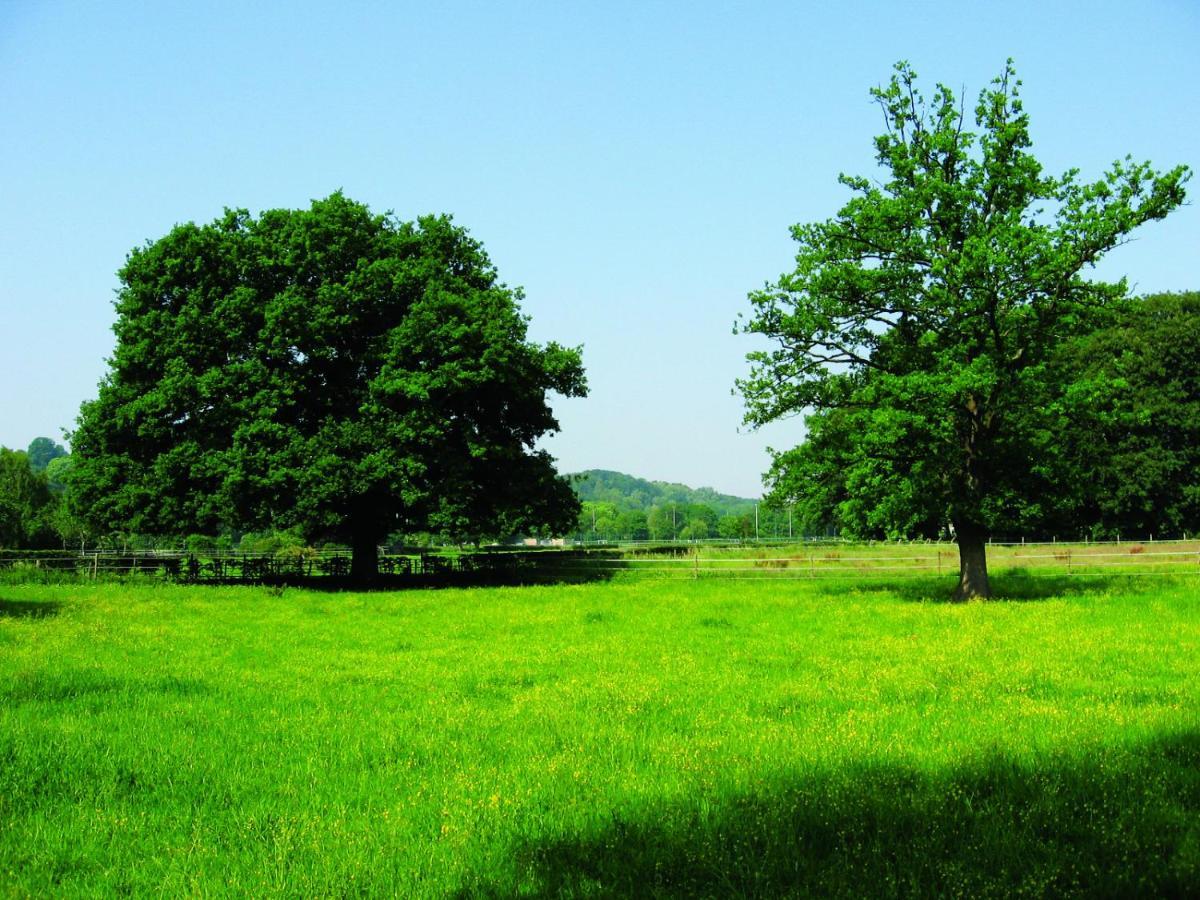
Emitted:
<point x="26" y="505"/>
<point x="1130" y="399"/>
<point x="43" y="451"/>
<point x="917" y="327"/>
<point x="327" y="369"/>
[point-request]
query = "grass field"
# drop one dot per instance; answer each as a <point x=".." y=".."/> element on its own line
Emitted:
<point x="637" y="737"/>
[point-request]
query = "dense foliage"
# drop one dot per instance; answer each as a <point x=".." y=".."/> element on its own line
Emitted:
<point x="1109" y="443"/>
<point x="331" y="370"/>
<point x="24" y="497"/>
<point x="32" y="514"/>
<point x="42" y="451"/>
<point x="1130" y="407"/>
<point x="922" y="319"/>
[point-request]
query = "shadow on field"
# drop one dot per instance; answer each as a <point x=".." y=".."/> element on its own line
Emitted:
<point x="483" y="569"/>
<point x="28" y="609"/>
<point x="1119" y="821"/>
<point x="392" y="583"/>
<point x="1018" y="585"/>
<point x="71" y="685"/>
<point x="1012" y="585"/>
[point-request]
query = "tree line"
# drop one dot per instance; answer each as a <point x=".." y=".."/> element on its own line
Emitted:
<point x="1109" y="445"/>
<point x="620" y="507"/>
<point x="37" y="513"/>
<point x="34" y="513"/>
<point x="341" y="375"/>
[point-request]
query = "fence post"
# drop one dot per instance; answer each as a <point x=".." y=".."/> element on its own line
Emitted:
<point x="1068" y="560"/>
<point x="95" y="564"/>
<point x="695" y="562"/>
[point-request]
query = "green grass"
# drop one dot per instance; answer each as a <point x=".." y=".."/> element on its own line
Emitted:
<point x="638" y="737"/>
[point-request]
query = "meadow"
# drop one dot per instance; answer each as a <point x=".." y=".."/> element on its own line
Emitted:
<point x="637" y="737"/>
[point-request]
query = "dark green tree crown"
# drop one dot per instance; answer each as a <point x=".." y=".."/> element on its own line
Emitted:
<point x="329" y="369"/>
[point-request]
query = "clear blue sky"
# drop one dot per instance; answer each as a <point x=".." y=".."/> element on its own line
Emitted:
<point x="634" y="166"/>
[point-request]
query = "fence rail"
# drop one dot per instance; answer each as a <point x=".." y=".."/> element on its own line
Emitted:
<point x="247" y="567"/>
<point x="679" y="561"/>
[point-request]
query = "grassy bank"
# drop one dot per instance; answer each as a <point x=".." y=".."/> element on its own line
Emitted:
<point x="641" y="737"/>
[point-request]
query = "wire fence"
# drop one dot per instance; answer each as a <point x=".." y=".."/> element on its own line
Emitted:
<point x="901" y="561"/>
<point x="826" y="560"/>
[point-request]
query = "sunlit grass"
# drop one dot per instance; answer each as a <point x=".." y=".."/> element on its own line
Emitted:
<point x="639" y="737"/>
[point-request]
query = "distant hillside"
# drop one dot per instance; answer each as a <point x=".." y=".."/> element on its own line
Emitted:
<point x="619" y="507"/>
<point x="627" y="492"/>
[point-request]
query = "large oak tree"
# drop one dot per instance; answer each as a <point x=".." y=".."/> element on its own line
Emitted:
<point x="918" y="321"/>
<point x="326" y="369"/>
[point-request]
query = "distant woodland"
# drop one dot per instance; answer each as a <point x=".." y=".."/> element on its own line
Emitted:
<point x="616" y="506"/>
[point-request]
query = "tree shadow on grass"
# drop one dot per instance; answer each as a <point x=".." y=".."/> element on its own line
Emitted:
<point x="1008" y="585"/>
<point x="394" y="583"/>
<point x="1118" y="821"/>
<point x="28" y="609"/>
<point x="490" y="569"/>
<point x="72" y="685"/>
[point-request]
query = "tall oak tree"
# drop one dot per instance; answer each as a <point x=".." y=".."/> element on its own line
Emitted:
<point x="918" y="320"/>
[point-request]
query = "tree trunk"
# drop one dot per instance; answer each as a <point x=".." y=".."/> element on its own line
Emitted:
<point x="364" y="560"/>
<point x="972" y="565"/>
